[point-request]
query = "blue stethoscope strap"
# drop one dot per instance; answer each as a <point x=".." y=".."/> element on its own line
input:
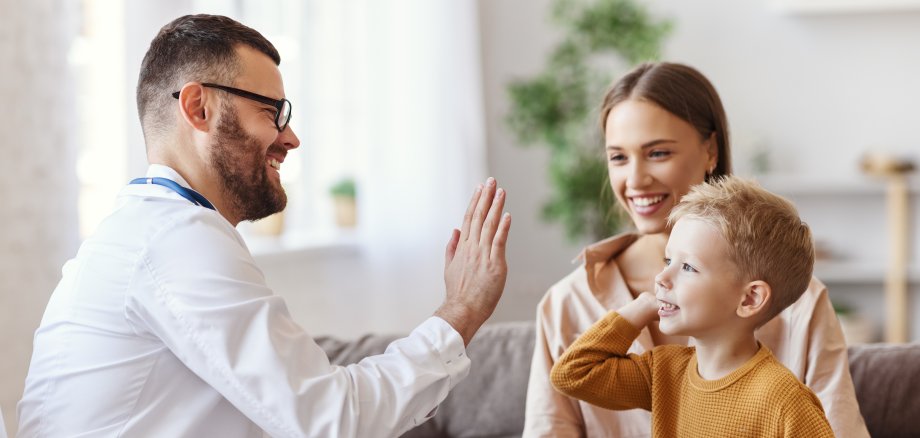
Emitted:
<point x="185" y="192"/>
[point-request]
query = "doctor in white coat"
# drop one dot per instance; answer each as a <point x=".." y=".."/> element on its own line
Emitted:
<point x="162" y="325"/>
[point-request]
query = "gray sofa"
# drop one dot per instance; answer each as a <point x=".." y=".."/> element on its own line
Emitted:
<point x="490" y="402"/>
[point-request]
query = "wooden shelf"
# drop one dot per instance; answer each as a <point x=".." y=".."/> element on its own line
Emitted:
<point x="838" y="185"/>
<point x="831" y="272"/>
<point x="821" y="7"/>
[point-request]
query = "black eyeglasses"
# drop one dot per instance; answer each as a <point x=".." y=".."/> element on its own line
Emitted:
<point x="282" y="116"/>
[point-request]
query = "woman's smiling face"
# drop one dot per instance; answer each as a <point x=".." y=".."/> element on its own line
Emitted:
<point x="653" y="158"/>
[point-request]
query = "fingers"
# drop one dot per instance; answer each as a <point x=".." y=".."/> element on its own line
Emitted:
<point x="491" y="222"/>
<point x="468" y="216"/>
<point x="451" y="247"/>
<point x="482" y="208"/>
<point x="501" y="238"/>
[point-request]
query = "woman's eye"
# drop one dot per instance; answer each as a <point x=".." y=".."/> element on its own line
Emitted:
<point x="688" y="268"/>
<point x="616" y="158"/>
<point x="659" y="154"/>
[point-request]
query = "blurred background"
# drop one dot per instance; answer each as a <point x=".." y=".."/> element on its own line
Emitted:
<point x="403" y="106"/>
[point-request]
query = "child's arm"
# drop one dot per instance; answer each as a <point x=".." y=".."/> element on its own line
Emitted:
<point x="803" y="416"/>
<point x="597" y="369"/>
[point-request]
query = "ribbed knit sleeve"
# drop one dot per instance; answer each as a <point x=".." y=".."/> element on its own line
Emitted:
<point x="598" y="370"/>
<point x="803" y="416"/>
<point x="761" y="398"/>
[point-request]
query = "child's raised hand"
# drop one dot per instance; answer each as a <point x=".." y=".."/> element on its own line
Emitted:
<point x="641" y="311"/>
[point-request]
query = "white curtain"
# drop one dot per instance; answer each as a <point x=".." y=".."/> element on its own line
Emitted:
<point x="38" y="183"/>
<point x="421" y="138"/>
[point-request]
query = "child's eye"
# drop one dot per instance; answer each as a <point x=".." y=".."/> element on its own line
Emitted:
<point x="688" y="268"/>
<point x="667" y="261"/>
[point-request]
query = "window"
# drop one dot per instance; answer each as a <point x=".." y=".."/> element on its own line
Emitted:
<point x="319" y="91"/>
<point x="98" y="62"/>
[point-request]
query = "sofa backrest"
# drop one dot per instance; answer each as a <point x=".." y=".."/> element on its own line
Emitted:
<point x="490" y="402"/>
<point x="887" y="380"/>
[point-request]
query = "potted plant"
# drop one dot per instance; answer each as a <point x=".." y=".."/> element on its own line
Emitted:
<point x="558" y="108"/>
<point x="344" y="194"/>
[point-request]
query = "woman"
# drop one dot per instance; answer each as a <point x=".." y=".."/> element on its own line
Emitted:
<point x="666" y="130"/>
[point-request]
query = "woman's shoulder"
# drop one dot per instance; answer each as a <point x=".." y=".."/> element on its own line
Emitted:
<point x="813" y="297"/>
<point x="589" y="291"/>
<point x="571" y="289"/>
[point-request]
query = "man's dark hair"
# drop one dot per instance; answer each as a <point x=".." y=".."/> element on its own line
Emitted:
<point x="191" y="48"/>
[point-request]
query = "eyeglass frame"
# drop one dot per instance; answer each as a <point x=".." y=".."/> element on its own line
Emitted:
<point x="278" y="104"/>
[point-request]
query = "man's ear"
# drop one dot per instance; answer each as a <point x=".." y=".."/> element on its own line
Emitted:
<point x="756" y="300"/>
<point x="193" y="105"/>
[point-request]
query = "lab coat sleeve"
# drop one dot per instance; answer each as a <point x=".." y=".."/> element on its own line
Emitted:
<point x="197" y="290"/>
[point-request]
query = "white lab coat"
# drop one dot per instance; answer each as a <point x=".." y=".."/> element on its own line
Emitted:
<point x="162" y="325"/>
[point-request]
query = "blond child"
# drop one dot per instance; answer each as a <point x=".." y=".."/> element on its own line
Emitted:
<point x="737" y="255"/>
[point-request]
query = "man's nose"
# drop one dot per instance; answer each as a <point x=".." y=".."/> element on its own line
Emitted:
<point x="288" y="138"/>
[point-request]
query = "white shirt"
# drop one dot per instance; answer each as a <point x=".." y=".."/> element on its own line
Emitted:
<point x="162" y="326"/>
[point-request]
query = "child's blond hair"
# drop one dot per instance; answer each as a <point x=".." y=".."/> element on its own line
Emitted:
<point x="766" y="238"/>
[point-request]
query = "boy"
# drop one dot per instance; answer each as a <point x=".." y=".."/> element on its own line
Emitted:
<point x="736" y="257"/>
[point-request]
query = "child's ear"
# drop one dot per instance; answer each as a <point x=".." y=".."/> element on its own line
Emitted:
<point x="757" y="295"/>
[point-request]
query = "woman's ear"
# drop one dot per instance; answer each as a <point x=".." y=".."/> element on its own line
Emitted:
<point x="756" y="300"/>
<point x="193" y="105"/>
<point x="712" y="148"/>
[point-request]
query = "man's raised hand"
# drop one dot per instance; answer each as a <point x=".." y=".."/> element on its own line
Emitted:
<point x="475" y="268"/>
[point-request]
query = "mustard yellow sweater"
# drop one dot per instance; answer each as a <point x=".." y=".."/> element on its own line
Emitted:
<point x="760" y="399"/>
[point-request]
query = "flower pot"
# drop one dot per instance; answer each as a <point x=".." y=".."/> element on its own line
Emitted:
<point x="345" y="211"/>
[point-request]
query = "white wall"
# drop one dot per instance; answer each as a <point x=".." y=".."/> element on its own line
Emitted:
<point x="817" y="90"/>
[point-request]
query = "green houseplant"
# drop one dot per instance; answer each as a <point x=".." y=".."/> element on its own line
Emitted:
<point x="557" y="108"/>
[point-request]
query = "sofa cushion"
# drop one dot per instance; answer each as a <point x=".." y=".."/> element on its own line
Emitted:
<point x="489" y="402"/>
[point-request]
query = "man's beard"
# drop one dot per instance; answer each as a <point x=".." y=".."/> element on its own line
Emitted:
<point x="241" y="167"/>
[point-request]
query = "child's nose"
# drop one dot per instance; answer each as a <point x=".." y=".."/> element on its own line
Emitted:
<point x="661" y="280"/>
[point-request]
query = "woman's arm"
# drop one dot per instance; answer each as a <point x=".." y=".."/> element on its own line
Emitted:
<point x="828" y="372"/>
<point x="548" y="413"/>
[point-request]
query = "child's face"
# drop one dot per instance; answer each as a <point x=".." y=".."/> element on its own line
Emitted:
<point x="698" y="291"/>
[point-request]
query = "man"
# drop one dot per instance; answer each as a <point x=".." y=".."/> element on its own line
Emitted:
<point x="162" y="324"/>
